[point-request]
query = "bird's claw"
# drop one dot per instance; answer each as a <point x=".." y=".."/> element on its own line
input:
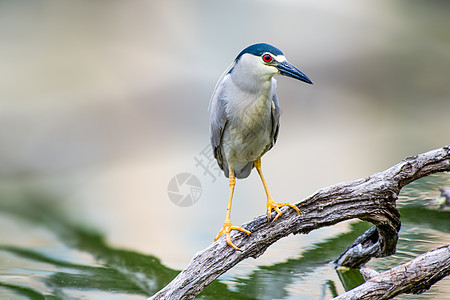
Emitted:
<point x="227" y="227"/>
<point x="276" y="206"/>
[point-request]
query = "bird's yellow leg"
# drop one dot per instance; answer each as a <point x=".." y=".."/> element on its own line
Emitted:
<point x="227" y="226"/>
<point x="270" y="203"/>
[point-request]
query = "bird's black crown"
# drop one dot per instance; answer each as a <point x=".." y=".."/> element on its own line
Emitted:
<point x="259" y="49"/>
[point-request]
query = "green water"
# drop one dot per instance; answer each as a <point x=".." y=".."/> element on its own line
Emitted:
<point x="70" y="261"/>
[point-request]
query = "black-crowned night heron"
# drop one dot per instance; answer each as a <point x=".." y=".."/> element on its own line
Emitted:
<point x="245" y="118"/>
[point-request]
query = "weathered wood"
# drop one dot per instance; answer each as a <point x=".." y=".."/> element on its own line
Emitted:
<point x="414" y="277"/>
<point x="363" y="249"/>
<point x="368" y="273"/>
<point x="371" y="199"/>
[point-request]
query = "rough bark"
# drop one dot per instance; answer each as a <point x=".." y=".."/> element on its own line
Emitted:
<point x="370" y="199"/>
<point x="414" y="277"/>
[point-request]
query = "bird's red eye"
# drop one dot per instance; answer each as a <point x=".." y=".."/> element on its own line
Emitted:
<point x="266" y="58"/>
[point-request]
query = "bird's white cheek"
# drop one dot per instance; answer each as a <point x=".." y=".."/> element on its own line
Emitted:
<point x="268" y="70"/>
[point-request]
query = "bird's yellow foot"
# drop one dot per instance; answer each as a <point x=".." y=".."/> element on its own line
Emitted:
<point x="227" y="227"/>
<point x="276" y="206"/>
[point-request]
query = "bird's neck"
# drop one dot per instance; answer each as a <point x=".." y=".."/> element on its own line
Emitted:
<point x="251" y="82"/>
<point x="250" y="99"/>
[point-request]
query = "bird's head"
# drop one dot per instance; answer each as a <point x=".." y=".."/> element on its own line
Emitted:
<point x="263" y="61"/>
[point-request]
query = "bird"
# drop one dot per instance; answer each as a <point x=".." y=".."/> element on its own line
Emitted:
<point x="444" y="199"/>
<point x="245" y="120"/>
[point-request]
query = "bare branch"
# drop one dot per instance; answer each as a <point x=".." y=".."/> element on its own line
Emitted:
<point x="371" y="199"/>
<point x="415" y="277"/>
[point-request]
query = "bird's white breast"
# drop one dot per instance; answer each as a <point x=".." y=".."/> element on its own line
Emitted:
<point x="249" y="127"/>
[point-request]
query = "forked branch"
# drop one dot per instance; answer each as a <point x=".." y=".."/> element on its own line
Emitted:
<point x="415" y="276"/>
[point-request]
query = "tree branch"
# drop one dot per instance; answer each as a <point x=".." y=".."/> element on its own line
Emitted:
<point x="415" y="277"/>
<point x="370" y="199"/>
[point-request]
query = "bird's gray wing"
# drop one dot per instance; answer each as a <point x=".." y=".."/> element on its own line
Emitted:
<point x="218" y="120"/>
<point x="275" y="117"/>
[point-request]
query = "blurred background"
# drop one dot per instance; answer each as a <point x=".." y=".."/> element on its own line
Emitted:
<point x="103" y="103"/>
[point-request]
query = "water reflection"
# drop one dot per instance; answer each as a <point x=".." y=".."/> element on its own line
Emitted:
<point x="113" y="271"/>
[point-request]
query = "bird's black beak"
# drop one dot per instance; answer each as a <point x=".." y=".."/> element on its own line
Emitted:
<point x="287" y="69"/>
